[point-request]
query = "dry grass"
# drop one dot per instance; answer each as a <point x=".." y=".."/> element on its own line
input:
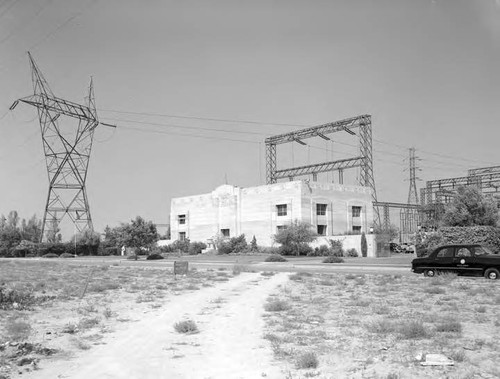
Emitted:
<point x="78" y="303"/>
<point x="374" y="325"/>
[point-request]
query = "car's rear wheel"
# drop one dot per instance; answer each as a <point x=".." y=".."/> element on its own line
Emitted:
<point x="492" y="273"/>
<point x="430" y="273"/>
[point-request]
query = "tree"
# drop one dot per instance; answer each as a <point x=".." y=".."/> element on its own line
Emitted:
<point x="470" y="207"/>
<point x="253" y="245"/>
<point x="295" y="235"/>
<point x="364" y="245"/>
<point x="138" y="234"/>
<point x="53" y="235"/>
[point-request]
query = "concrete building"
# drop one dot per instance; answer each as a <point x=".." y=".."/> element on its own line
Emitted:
<point x="230" y="211"/>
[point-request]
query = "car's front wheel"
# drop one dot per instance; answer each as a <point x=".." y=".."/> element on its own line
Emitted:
<point x="492" y="273"/>
<point x="430" y="273"/>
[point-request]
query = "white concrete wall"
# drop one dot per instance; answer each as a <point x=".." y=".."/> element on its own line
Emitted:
<point x="252" y="211"/>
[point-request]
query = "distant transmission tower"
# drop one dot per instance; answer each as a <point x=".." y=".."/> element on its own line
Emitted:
<point x="409" y="217"/>
<point x="412" y="193"/>
<point x="67" y="133"/>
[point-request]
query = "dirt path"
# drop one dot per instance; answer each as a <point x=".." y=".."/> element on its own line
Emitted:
<point x="229" y="345"/>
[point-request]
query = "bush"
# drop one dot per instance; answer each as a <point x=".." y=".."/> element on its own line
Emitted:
<point x="14" y="298"/>
<point x="186" y="327"/>
<point x="352" y="253"/>
<point x="333" y="259"/>
<point x="321" y="251"/>
<point x="364" y="245"/>
<point x="50" y="255"/>
<point x="66" y="255"/>
<point x="269" y="250"/>
<point x="307" y="360"/>
<point x="275" y="258"/>
<point x="276" y="306"/>
<point x="336" y="248"/>
<point x="234" y="245"/>
<point x="303" y="249"/>
<point x="154" y="256"/>
<point x="195" y="248"/>
<point x="485" y="235"/>
<point x="110" y="250"/>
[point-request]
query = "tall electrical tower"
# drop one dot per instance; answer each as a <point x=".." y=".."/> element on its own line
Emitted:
<point x="412" y="193"/>
<point x="409" y="216"/>
<point x="67" y="130"/>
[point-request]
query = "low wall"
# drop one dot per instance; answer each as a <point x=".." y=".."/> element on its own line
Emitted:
<point x="350" y="242"/>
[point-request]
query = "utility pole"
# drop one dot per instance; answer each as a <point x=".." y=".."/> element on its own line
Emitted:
<point x="67" y="130"/>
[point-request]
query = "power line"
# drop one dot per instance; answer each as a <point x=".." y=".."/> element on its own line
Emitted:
<point x="8" y="8"/>
<point x="204" y="118"/>
<point x="184" y="126"/>
<point x="186" y="135"/>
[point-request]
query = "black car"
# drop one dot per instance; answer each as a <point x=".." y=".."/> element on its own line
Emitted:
<point x="462" y="259"/>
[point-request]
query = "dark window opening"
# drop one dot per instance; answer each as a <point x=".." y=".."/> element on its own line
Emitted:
<point x="356" y="211"/>
<point x="181" y="219"/>
<point x="225" y="232"/>
<point x="322" y="230"/>
<point x="281" y="209"/>
<point x="356" y="229"/>
<point x="321" y="209"/>
<point x="182" y="236"/>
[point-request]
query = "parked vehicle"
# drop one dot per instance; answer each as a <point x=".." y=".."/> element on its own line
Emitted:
<point x="394" y="247"/>
<point x="462" y="259"/>
<point x="407" y="249"/>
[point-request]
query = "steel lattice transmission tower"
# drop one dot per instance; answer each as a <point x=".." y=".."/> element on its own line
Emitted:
<point x="412" y="193"/>
<point x="362" y="123"/>
<point x="410" y="217"/>
<point x="67" y="130"/>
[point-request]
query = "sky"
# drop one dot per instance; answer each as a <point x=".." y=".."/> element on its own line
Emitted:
<point x="195" y="87"/>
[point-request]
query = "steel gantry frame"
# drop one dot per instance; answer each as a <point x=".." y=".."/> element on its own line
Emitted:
<point x="364" y="160"/>
<point x="67" y="152"/>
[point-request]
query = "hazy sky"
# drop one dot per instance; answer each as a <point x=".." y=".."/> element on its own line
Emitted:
<point x="427" y="71"/>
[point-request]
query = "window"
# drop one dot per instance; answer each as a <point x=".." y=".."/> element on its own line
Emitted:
<point x="321" y="209"/>
<point x="280" y="227"/>
<point x="322" y="230"/>
<point x="447" y="252"/>
<point x="181" y="219"/>
<point x="281" y="209"/>
<point x="356" y="228"/>
<point x="356" y="211"/>
<point x="182" y="236"/>
<point x="225" y="232"/>
<point x="463" y="252"/>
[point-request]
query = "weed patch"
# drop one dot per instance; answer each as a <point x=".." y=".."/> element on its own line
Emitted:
<point x="186" y="327"/>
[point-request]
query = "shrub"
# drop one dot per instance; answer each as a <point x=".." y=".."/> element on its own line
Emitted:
<point x="66" y="255"/>
<point x="336" y="248"/>
<point x="307" y="360"/>
<point x="449" y="326"/>
<point x="269" y="250"/>
<point x="276" y="306"/>
<point x="50" y="255"/>
<point x="352" y="253"/>
<point x="364" y="245"/>
<point x="275" y="258"/>
<point x="333" y="259"/>
<point x="195" y="248"/>
<point x="321" y="251"/>
<point x="412" y="330"/>
<point x="154" y="256"/>
<point x="234" y="245"/>
<point x="301" y="248"/>
<point x="186" y="327"/>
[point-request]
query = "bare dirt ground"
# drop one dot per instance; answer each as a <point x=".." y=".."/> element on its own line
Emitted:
<point x="115" y="320"/>
<point x="124" y="327"/>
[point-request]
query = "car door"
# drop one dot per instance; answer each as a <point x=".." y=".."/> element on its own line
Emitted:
<point x="463" y="260"/>
<point x="443" y="260"/>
